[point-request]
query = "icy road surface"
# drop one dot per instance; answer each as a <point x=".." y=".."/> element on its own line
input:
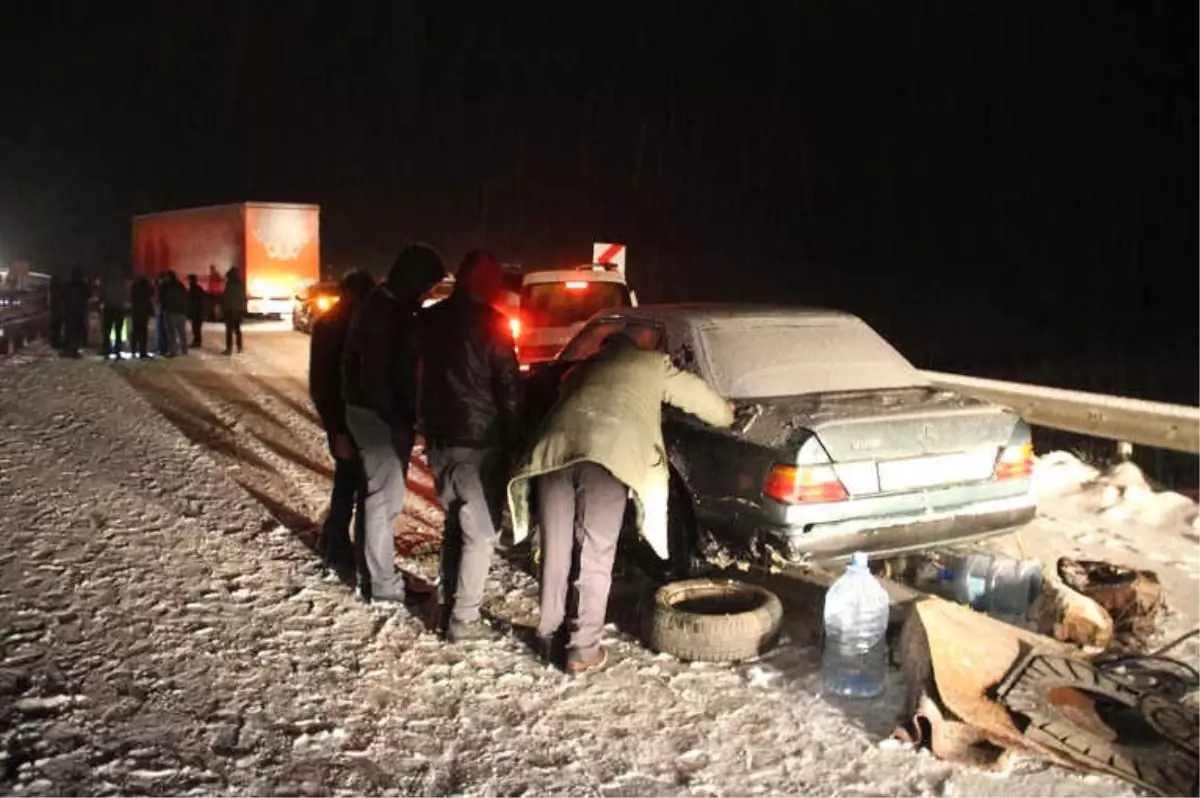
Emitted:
<point x="165" y="629"/>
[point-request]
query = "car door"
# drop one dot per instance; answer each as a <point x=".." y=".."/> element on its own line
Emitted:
<point x="703" y="458"/>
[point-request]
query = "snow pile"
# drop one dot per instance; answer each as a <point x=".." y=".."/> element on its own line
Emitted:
<point x="1122" y="494"/>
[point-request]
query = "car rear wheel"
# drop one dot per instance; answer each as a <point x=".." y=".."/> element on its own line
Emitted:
<point x="713" y="620"/>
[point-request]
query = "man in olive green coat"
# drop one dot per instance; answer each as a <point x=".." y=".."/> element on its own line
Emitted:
<point x="600" y="445"/>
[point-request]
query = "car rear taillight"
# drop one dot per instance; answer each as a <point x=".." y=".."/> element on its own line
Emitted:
<point x="514" y="324"/>
<point x="577" y="286"/>
<point x="791" y="484"/>
<point x="1015" y="462"/>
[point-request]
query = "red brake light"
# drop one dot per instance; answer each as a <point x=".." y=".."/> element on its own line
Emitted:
<point x="1015" y="462"/>
<point x="514" y="324"/>
<point x="791" y="484"/>
<point x="577" y="286"/>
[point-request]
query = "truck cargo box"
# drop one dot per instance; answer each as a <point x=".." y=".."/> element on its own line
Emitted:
<point x="275" y="246"/>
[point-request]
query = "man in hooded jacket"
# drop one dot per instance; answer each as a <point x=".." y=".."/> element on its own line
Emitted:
<point x="325" y="386"/>
<point x="379" y="389"/>
<point x="600" y="445"/>
<point x="470" y="411"/>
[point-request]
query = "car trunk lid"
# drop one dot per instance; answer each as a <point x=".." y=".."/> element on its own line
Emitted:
<point x="904" y="438"/>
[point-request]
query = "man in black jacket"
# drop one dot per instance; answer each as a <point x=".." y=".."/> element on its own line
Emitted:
<point x="379" y="387"/>
<point x="141" y="307"/>
<point x="233" y="309"/>
<point x="196" y="299"/>
<point x="173" y="297"/>
<point x="325" y="386"/>
<point x="470" y="406"/>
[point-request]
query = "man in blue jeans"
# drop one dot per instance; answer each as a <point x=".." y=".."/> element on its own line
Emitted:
<point x="470" y="411"/>
<point x="325" y="386"/>
<point x="379" y="386"/>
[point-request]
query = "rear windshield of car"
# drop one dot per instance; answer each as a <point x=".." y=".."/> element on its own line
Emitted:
<point x="757" y="359"/>
<point x="566" y="303"/>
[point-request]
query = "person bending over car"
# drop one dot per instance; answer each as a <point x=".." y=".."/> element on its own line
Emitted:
<point x="601" y="443"/>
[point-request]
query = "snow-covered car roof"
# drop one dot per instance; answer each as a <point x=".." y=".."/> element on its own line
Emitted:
<point x="698" y="312"/>
<point x="752" y="351"/>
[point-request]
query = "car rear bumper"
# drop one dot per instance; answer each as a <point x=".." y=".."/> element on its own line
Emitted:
<point x="901" y="532"/>
<point x="268" y="306"/>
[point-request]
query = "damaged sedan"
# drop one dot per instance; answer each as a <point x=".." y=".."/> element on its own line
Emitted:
<point x="840" y="443"/>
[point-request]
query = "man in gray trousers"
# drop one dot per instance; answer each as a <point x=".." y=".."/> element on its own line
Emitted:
<point x="379" y="387"/>
<point x="601" y="445"/>
<point x="470" y="410"/>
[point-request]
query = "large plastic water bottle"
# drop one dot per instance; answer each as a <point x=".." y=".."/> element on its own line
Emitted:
<point x="998" y="585"/>
<point x="856" y="619"/>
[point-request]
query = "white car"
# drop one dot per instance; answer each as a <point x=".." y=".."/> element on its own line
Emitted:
<point x="554" y="305"/>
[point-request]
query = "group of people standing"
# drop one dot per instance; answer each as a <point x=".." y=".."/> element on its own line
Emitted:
<point x="382" y="371"/>
<point x="171" y="304"/>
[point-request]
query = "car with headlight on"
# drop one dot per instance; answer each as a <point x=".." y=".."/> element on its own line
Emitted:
<point x="312" y="302"/>
<point x="840" y="443"/>
<point x="554" y="304"/>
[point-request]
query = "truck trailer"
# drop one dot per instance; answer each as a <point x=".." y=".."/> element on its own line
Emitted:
<point x="275" y="247"/>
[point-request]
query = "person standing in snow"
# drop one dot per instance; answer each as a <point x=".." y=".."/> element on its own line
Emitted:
<point x="141" y="307"/>
<point x="162" y="338"/>
<point x="600" y="445"/>
<point x="173" y="297"/>
<point x="325" y="386"/>
<point x="470" y="411"/>
<point x="58" y="313"/>
<point x="76" y="297"/>
<point x="233" y="309"/>
<point x="378" y="385"/>
<point x="195" y="308"/>
<point x="112" y="314"/>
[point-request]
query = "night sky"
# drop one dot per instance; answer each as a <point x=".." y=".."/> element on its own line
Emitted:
<point x="1001" y="188"/>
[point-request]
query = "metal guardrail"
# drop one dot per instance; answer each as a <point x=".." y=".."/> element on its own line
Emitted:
<point x="1155" y="424"/>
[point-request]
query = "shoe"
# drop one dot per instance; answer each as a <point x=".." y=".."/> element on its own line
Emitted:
<point x="577" y="664"/>
<point x="227" y="352"/>
<point x="470" y="631"/>
<point x="551" y="650"/>
<point x="409" y="599"/>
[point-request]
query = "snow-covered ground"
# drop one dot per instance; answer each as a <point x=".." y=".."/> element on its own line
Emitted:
<point x="165" y="629"/>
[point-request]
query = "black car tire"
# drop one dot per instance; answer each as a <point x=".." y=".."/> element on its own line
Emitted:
<point x="686" y="620"/>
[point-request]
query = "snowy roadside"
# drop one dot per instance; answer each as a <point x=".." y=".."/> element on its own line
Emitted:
<point x="1115" y="516"/>
<point x="166" y="630"/>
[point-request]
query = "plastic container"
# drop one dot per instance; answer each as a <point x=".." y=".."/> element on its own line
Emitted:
<point x="997" y="585"/>
<point x="854" y="662"/>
